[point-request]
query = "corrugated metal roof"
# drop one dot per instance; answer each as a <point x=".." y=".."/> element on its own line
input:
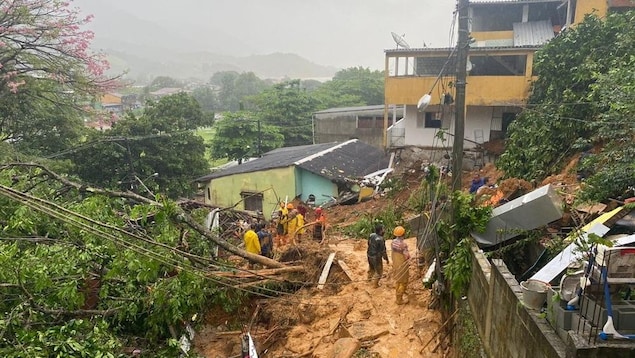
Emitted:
<point x="353" y="109"/>
<point x="447" y="50"/>
<point x="359" y="109"/>
<point x="487" y="2"/>
<point x="494" y="43"/>
<point x="533" y="33"/>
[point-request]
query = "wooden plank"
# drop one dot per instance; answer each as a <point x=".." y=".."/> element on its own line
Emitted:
<point x="346" y="269"/>
<point x="325" y="271"/>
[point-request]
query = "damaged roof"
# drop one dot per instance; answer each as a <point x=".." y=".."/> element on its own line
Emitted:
<point x="331" y="160"/>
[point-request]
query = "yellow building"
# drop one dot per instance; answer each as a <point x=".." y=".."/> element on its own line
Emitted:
<point x="112" y="102"/>
<point x="504" y="37"/>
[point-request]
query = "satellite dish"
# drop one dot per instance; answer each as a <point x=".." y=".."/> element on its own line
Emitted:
<point x="424" y="101"/>
<point x="399" y="40"/>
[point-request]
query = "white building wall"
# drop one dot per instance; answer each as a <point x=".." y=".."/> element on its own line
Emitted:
<point x="424" y="137"/>
<point x="478" y="118"/>
<point x="478" y="121"/>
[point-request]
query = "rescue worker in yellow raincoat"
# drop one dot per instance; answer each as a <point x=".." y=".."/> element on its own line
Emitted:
<point x="400" y="257"/>
<point x="281" y="225"/>
<point x="252" y="244"/>
<point x="300" y="225"/>
<point x="292" y="224"/>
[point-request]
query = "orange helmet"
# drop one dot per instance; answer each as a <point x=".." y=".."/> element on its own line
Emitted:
<point x="289" y="206"/>
<point x="399" y="231"/>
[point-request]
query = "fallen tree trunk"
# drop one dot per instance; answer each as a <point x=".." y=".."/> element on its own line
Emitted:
<point x="257" y="273"/>
<point x="180" y="214"/>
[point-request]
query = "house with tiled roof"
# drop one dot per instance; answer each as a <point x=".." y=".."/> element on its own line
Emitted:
<point x="319" y="171"/>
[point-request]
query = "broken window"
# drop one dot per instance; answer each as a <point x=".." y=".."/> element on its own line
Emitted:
<point x="252" y="201"/>
<point x="510" y="65"/>
<point x="432" y="66"/>
<point x="496" y="17"/>
<point x="428" y="120"/>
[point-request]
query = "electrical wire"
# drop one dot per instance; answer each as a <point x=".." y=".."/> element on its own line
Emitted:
<point x="39" y="205"/>
<point x="28" y="201"/>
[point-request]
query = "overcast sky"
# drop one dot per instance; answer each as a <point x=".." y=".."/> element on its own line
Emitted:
<point x="340" y="33"/>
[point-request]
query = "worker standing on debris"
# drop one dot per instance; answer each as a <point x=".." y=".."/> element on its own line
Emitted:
<point x="400" y="257"/>
<point x="252" y="245"/>
<point x="477" y="182"/>
<point x="281" y="220"/>
<point x="320" y="225"/>
<point x="266" y="241"/>
<point x="292" y="223"/>
<point x="299" y="218"/>
<point x="375" y="253"/>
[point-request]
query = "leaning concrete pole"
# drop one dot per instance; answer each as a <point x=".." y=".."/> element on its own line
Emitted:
<point x="461" y="74"/>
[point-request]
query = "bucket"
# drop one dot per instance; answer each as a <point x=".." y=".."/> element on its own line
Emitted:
<point x="534" y="293"/>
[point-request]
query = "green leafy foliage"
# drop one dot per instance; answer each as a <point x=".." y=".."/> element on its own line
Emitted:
<point x="392" y="186"/>
<point x="469" y="344"/>
<point x="239" y="135"/>
<point x="290" y="108"/>
<point x="431" y="188"/>
<point x="581" y="76"/>
<point x="75" y="338"/>
<point x="235" y="88"/>
<point x="355" y="86"/>
<point x="468" y="217"/>
<point x="458" y="267"/>
<point x="155" y="152"/>
<point x="612" y="168"/>
<point x="455" y="239"/>
<point x="24" y="114"/>
<point x="98" y="276"/>
<point x="389" y="217"/>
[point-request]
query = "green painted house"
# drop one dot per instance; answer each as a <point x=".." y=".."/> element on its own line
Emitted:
<point x="321" y="171"/>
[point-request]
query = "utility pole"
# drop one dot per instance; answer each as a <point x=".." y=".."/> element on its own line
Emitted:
<point x="259" y="140"/>
<point x="461" y="75"/>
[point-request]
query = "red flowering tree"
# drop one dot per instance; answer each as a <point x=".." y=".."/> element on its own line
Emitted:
<point x="44" y="40"/>
<point x="46" y="69"/>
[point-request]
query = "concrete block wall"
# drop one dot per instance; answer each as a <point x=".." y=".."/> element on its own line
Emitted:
<point x="506" y="327"/>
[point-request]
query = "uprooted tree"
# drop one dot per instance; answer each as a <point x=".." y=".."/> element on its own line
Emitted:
<point x="89" y="272"/>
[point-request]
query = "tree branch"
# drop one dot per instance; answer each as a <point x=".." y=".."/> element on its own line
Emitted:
<point x="180" y="216"/>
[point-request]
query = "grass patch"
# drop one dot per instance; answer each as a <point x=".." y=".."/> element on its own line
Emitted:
<point x="207" y="133"/>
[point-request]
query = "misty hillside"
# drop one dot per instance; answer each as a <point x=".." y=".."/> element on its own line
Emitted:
<point x="203" y="65"/>
<point x="147" y="49"/>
